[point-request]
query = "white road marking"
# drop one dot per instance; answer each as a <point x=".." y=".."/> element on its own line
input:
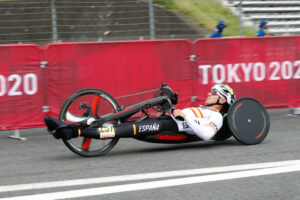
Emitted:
<point x="32" y="186"/>
<point x="293" y="166"/>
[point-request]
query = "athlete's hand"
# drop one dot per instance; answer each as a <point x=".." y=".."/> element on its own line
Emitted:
<point x="158" y="114"/>
<point x="178" y="114"/>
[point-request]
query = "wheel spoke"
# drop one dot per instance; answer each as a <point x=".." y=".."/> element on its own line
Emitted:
<point x="86" y="143"/>
<point x="95" y="104"/>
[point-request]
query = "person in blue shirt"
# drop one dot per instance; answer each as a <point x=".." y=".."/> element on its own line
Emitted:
<point x="262" y="26"/>
<point x="217" y="33"/>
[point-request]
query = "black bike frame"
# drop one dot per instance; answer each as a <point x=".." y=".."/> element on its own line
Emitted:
<point x="166" y="101"/>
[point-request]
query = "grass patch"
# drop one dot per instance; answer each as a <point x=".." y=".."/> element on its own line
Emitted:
<point x="207" y="13"/>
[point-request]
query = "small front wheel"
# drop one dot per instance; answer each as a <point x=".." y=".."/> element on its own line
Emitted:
<point x="84" y="103"/>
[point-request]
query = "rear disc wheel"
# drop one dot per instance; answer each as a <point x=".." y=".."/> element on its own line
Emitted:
<point x="248" y="121"/>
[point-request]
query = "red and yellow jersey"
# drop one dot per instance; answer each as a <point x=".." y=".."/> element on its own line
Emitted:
<point x="201" y="121"/>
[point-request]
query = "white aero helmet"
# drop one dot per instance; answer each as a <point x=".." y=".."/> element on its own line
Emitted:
<point x="225" y="91"/>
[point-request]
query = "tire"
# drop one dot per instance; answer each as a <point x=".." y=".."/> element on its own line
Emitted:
<point x="248" y="121"/>
<point x="101" y="103"/>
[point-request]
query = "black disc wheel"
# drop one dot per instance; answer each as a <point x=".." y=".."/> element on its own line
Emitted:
<point x="87" y="103"/>
<point x="248" y="121"/>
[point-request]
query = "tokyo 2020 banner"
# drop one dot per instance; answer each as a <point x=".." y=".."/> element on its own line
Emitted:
<point x="34" y="78"/>
<point x="267" y="69"/>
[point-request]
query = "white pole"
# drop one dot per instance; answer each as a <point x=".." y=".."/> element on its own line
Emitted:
<point x="17" y="135"/>
<point x="151" y="20"/>
<point x="54" y="25"/>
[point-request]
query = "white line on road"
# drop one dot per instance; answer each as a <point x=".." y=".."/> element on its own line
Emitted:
<point x="32" y="186"/>
<point x="158" y="184"/>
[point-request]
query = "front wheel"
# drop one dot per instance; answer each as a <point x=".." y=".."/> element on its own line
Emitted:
<point x="82" y="104"/>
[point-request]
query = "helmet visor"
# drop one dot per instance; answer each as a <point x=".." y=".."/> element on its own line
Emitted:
<point x="216" y="92"/>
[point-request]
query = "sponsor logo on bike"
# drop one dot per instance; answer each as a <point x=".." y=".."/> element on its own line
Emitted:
<point x="149" y="127"/>
<point x="106" y="132"/>
<point x="171" y="137"/>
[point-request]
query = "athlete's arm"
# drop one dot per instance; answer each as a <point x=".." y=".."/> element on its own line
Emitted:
<point x="202" y="127"/>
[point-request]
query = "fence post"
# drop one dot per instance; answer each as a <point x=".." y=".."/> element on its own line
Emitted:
<point x="53" y="19"/>
<point x="17" y="135"/>
<point x="151" y="20"/>
<point x="240" y="18"/>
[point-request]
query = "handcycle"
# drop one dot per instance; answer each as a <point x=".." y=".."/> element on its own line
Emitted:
<point x="246" y="120"/>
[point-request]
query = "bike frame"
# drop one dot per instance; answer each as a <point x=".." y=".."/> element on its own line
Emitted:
<point x="167" y="99"/>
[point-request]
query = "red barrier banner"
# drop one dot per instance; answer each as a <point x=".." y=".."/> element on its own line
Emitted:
<point x="267" y="69"/>
<point x="21" y="87"/>
<point x="119" y="68"/>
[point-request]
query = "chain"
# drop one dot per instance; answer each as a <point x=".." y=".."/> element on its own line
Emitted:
<point x="138" y="93"/>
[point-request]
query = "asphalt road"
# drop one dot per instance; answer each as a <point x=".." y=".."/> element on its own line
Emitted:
<point x="46" y="164"/>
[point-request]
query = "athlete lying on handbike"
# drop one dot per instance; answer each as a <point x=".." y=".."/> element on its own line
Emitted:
<point x="203" y="121"/>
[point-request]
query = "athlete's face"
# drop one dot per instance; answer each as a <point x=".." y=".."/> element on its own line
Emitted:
<point x="212" y="97"/>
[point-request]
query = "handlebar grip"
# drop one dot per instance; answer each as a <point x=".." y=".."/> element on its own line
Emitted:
<point x="178" y="117"/>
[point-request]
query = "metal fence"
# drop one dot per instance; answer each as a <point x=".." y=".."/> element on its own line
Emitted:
<point x="44" y="21"/>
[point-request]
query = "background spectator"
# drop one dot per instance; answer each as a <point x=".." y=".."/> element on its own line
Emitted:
<point x="262" y="26"/>
<point x="217" y="33"/>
